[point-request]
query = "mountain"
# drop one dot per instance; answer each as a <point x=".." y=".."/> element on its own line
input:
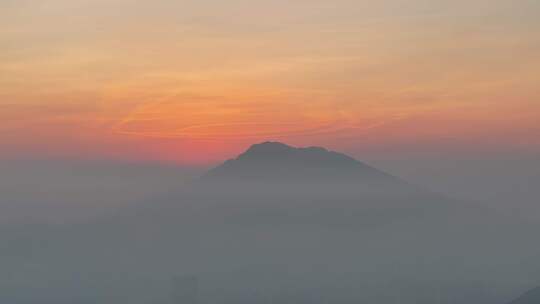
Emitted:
<point x="275" y="161"/>
<point x="275" y="184"/>
<point x="530" y="297"/>
<point x="274" y="165"/>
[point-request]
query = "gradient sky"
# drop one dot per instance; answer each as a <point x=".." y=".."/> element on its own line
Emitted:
<point x="195" y="81"/>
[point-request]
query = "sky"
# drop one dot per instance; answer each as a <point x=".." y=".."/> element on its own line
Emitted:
<point x="194" y="82"/>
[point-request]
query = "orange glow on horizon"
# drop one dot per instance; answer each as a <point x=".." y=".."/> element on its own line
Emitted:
<point x="162" y="82"/>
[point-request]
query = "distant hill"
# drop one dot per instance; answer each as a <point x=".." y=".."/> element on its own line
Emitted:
<point x="274" y="161"/>
<point x="530" y="297"/>
<point x="274" y="165"/>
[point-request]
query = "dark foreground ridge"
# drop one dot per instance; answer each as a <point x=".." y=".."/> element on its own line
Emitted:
<point x="530" y="297"/>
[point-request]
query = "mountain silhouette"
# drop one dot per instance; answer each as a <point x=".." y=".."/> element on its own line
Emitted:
<point x="275" y="160"/>
<point x="530" y="297"/>
<point x="277" y="165"/>
<point x="316" y="186"/>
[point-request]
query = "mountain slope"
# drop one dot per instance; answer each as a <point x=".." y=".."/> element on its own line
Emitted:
<point x="275" y="162"/>
<point x="279" y="169"/>
<point x="530" y="297"/>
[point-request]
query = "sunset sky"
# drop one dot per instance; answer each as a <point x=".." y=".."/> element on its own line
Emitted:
<point x="195" y="81"/>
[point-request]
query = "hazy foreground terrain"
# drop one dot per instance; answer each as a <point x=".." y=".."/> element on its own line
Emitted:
<point x="276" y="225"/>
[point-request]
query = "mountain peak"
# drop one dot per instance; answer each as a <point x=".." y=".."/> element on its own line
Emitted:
<point x="272" y="150"/>
<point x="268" y="148"/>
<point x="277" y="162"/>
